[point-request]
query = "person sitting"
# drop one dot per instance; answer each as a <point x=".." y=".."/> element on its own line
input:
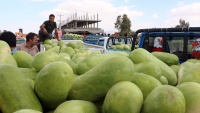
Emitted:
<point x="30" y="45"/>
<point x="9" y="38"/>
<point x="47" y="28"/>
<point x="157" y="47"/>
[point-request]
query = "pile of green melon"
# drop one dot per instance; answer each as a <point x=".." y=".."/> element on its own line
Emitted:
<point x="72" y="37"/>
<point x="71" y="79"/>
<point x="120" y="46"/>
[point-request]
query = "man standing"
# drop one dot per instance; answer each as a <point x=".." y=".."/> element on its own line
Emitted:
<point x="30" y="45"/>
<point x="47" y="28"/>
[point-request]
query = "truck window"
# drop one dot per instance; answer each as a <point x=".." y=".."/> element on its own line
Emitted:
<point x="175" y="44"/>
<point x="101" y="42"/>
<point x="190" y="42"/>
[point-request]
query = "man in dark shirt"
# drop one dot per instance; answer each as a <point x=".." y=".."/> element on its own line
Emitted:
<point x="47" y="28"/>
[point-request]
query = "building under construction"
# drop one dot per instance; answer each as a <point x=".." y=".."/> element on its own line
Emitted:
<point x="81" y="24"/>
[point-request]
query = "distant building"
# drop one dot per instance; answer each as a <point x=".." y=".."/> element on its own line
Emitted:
<point x="81" y="25"/>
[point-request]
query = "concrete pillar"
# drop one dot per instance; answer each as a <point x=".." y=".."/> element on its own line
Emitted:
<point x="87" y="25"/>
<point x="97" y="20"/>
<point x="75" y="24"/>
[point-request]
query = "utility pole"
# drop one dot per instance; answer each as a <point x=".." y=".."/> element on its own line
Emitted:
<point x="60" y="21"/>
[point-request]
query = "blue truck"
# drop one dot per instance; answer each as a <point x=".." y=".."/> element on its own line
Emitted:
<point x="178" y="41"/>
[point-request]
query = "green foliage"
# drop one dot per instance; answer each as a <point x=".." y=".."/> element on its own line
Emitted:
<point x="123" y="25"/>
<point x="182" y="24"/>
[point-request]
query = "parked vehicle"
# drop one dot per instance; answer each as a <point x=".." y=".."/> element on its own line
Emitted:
<point x="178" y="41"/>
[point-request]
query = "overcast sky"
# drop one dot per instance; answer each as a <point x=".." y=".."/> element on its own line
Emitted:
<point x="30" y="14"/>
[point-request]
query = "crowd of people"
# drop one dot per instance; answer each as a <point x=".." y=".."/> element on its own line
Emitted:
<point x="33" y="40"/>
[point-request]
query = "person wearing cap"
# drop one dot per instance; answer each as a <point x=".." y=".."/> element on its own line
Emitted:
<point x="10" y="39"/>
<point x="47" y="28"/>
<point x="30" y="45"/>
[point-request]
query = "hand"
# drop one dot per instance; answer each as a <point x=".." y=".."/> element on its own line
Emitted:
<point x="58" y="39"/>
<point x="45" y="31"/>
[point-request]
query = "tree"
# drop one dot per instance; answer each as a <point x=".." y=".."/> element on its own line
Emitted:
<point x="123" y="25"/>
<point x="118" y="23"/>
<point x="182" y="24"/>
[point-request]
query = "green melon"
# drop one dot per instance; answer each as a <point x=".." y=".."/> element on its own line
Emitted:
<point x="53" y="83"/>
<point x="77" y="55"/>
<point x="192" y="75"/>
<point x="146" y="83"/>
<point x="23" y="59"/>
<point x="120" y="47"/>
<point x="72" y="64"/>
<point x="184" y="70"/>
<point x="29" y="73"/>
<point x="76" y="50"/>
<point x="175" y="68"/>
<point x="30" y="82"/>
<point x="41" y="59"/>
<point x="55" y="49"/>
<point x="53" y="44"/>
<point x="4" y="47"/>
<point x="76" y="106"/>
<point x="70" y="44"/>
<point x="163" y="80"/>
<point x="80" y="44"/>
<point x="191" y="92"/>
<point x="78" y="60"/>
<point x="7" y="59"/>
<point x="168" y="58"/>
<point x="69" y="50"/>
<point x="149" y="68"/>
<point x="15" y="93"/>
<point x="27" y="111"/>
<point x="64" y="56"/>
<point x="126" y="47"/>
<point x="123" y="97"/>
<point x="48" y="41"/>
<point x="47" y="47"/>
<point x="61" y="44"/>
<point x="193" y="60"/>
<point x="90" y="62"/>
<point x="141" y="55"/>
<point x="113" y="47"/>
<point x="95" y="83"/>
<point x="164" y="99"/>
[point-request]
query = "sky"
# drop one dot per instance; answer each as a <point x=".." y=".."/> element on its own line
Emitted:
<point x="30" y="14"/>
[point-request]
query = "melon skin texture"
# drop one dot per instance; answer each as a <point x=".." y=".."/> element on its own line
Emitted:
<point x="53" y="83"/>
<point x="7" y="59"/>
<point x="191" y="92"/>
<point x="164" y="99"/>
<point x="23" y="59"/>
<point x="4" y="47"/>
<point x="76" y="106"/>
<point x="95" y="83"/>
<point x="141" y="55"/>
<point x="146" y="83"/>
<point x="15" y="93"/>
<point x="123" y="97"/>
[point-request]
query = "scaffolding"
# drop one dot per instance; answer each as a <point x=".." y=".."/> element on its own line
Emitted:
<point x="82" y="24"/>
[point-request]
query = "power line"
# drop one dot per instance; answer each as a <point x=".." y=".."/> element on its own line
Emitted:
<point x="60" y="20"/>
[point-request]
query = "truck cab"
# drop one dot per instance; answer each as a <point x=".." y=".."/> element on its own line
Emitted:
<point x="178" y="41"/>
